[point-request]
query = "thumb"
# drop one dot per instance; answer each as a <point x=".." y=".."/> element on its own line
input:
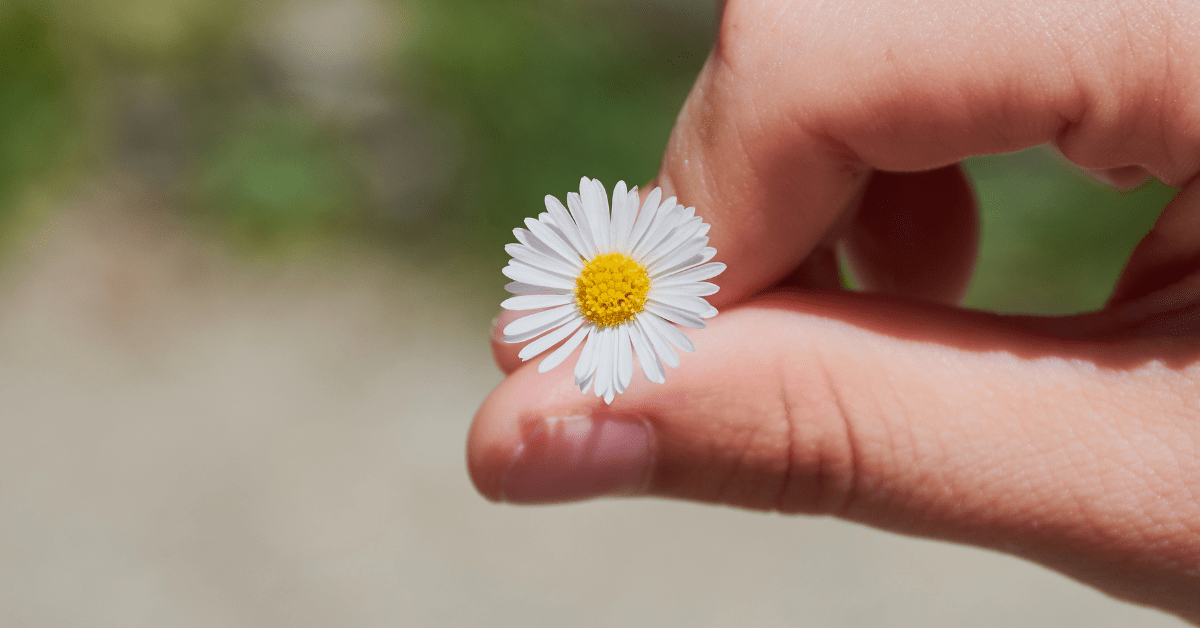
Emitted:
<point x="923" y="420"/>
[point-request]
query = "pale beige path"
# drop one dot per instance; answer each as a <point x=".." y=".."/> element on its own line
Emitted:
<point x="187" y="439"/>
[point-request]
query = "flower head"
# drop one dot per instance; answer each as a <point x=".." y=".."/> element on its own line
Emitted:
<point x="618" y="282"/>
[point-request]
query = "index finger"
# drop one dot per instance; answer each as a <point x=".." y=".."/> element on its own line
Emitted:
<point x="801" y="101"/>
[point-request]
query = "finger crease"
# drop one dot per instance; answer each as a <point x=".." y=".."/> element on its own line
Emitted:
<point x="841" y="499"/>
<point x="789" y="418"/>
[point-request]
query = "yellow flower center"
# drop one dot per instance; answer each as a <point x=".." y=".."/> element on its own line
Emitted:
<point x="611" y="289"/>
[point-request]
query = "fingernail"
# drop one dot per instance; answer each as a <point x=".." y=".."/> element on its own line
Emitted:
<point x="572" y="458"/>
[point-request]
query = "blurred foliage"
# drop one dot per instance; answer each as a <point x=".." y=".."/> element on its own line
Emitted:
<point x="1054" y="241"/>
<point x="149" y="33"/>
<point x="276" y="170"/>
<point x="549" y="91"/>
<point x="38" y="109"/>
<point x="439" y="124"/>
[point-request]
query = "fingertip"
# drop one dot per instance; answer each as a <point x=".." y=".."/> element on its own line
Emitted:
<point x="508" y="418"/>
<point x="505" y="354"/>
<point x="1123" y="178"/>
<point x="916" y="235"/>
<point x="486" y="453"/>
<point x="491" y="444"/>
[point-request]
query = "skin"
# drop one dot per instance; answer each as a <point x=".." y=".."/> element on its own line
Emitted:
<point x="1073" y="442"/>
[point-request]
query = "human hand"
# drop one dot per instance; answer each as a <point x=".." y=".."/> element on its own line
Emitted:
<point x="1074" y="441"/>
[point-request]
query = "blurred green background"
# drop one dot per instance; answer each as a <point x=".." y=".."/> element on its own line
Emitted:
<point x="435" y="125"/>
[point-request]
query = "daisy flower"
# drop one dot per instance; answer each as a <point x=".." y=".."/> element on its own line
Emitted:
<point x="616" y="282"/>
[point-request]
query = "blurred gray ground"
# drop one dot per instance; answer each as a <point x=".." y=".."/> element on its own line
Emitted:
<point x="192" y="438"/>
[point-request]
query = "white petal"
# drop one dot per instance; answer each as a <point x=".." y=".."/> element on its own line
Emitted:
<point x="554" y="241"/>
<point x="562" y="219"/>
<point x="587" y="358"/>
<point x="662" y="226"/>
<point x="676" y="315"/>
<point x="689" y="304"/>
<point x="614" y="385"/>
<point x="697" y="273"/>
<point x="525" y="273"/>
<point x="629" y="215"/>
<point x="545" y="219"/>
<point x="532" y="241"/>
<point x="539" y="320"/>
<point x="645" y="217"/>
<point x="651" y="365"/>
<point x="675" y="301"/>
<point x="549" y="222"/>
<point x="682" y="253"/>
<point x="581" y="220"/>
<point x="663" y="241"/>
<point x="537" y="245"/>
<point x="549" y="271"/>
<point x="561" y="353"/>
<point x="660" y="214"/>
<point x="533" y="257"/>
<point x="650" y="327"/>
<point x="537" y="301"/>
<point x="538" y="331"/>
<point x="604" y="360"/>
<point x="690" y="262"/>
<point x="528" y="239"/>
<point x="624" y="358"/>
<point x="672" y="333"/>
<point x="586" y="382"/>
<point x="536" y="347"/>
<point x="613" y="336"/>
<point x="518" y="287"/>
<point x="631" y="209"/>
<point x="587" y="212"/>
<point x="616" y="226"/>
<point x="694" y="289"/>
<point x="678" y="237"/>
<point x="595" y="204"/>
